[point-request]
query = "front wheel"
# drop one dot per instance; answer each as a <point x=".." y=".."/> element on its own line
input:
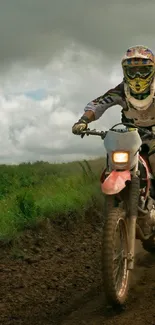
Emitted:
<point x="114" y="257"/>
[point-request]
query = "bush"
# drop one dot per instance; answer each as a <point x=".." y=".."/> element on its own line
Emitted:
<point x="62" y="192"/>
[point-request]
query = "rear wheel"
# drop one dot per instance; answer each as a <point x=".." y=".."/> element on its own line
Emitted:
<point x="114" y="255"/>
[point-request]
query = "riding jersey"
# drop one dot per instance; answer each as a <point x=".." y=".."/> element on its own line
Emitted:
<point x="117" y="96"/>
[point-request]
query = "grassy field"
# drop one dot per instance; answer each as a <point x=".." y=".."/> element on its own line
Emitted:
<point x="31" y="192"/>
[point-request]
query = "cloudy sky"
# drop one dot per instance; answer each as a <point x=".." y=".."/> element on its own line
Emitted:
<point x="55" y="56"/>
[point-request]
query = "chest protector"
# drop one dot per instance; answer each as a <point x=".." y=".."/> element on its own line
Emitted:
<point x="141" y="111"/>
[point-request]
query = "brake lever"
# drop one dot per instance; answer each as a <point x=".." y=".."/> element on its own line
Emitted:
<point x="145" y="136"/>
<point x="84" y="133"/>
<point x="148" y="136"/>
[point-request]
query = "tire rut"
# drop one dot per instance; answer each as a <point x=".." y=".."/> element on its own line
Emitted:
<point x="140" y="305"/>
<point x="52" y="276"/>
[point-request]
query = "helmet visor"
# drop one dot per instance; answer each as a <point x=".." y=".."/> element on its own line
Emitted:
<point x="139" y="71"/>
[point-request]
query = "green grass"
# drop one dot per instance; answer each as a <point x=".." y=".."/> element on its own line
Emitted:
<point x="31" y="192"/>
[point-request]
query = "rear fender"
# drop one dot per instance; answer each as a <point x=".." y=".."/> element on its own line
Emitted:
<point x="115" y="182"/>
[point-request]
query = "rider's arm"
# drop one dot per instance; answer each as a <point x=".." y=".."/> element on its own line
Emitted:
<point x="95" y="108"/>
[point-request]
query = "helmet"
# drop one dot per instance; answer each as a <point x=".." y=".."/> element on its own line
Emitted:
<point x="138" y="66"/>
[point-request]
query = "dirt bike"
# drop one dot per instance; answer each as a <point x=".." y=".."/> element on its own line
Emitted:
<point x="128" y="186"/>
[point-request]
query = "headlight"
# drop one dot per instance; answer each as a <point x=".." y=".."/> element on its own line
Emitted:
<point x="120" y="157"/>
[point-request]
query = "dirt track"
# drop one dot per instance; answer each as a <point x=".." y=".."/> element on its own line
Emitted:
<point x="52" y="276"/>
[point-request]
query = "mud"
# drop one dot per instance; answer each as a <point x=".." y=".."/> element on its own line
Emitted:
<point x="52" y="275"/>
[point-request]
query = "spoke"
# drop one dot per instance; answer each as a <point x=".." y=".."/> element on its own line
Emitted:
<point x="119" y="257"/>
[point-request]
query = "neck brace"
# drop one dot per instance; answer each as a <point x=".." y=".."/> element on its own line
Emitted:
<point x="142" y="104"/>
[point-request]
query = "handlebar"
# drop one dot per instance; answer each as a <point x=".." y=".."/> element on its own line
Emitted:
<point x="146" y="133"/>
<point x="87" y="132"/>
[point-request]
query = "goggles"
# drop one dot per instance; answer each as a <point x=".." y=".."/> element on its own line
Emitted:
<point x="139" y="71"/>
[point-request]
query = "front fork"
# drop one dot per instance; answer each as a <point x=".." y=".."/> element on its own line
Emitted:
<point x="132" y="236"/>
<point x="133" y="214"/>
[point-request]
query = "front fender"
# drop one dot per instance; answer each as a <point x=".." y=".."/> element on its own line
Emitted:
<point x="115" y="182"/>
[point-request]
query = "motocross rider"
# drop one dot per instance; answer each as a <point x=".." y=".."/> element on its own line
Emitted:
<point x="135" y="94"/>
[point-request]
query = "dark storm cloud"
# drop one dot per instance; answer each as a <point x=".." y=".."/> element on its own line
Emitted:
<point x="35" y="33"/>
<point x="39" y="29"/>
